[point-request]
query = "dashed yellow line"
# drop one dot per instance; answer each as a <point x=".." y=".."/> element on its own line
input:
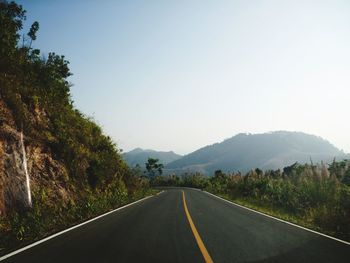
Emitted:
<point x="200" y="243"/>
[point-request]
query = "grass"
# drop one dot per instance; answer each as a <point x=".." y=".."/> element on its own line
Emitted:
<point x="306" y="221"/>
<point x="20" y="229"/>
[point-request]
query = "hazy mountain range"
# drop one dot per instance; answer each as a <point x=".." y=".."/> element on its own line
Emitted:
<point x="247" y="151"/>
<point x="140" y="157"/>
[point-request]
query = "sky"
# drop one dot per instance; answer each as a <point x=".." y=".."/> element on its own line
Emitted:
<point x="179" y="75"/>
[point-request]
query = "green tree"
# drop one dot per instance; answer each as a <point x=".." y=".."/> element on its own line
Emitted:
<point x="346" y="178"/>
<point x="32" y="32"/>
<point x="153" y="167"/>
<point x="11" y="22"/>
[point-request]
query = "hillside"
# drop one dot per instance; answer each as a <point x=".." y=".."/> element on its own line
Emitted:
<point x="74" y="171"/>
<point x="267" y="151"/>
<point x="140" y="156"/>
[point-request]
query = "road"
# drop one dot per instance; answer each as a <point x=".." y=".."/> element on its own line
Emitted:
<point x="158" y="230"/>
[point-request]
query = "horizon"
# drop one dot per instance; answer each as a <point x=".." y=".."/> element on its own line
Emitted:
<point x="220" y="141"/>
<point x="179" y="76"/>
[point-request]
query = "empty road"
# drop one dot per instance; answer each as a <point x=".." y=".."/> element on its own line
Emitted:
<point x="185" y="225"/>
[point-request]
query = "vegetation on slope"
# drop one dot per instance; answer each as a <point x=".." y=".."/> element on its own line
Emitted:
<point x="315" y="196"/>
<point x="36" y="93"/>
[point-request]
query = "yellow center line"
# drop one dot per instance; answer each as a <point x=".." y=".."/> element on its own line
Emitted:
<point x="200" y="243"/>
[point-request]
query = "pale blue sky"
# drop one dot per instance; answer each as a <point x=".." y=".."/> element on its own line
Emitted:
<point x="178" y="75"/>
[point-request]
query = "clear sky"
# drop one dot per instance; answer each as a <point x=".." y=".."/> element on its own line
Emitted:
<point x="178" y="75"/>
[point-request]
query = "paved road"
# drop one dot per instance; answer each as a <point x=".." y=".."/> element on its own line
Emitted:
<point x="158" y="230"/>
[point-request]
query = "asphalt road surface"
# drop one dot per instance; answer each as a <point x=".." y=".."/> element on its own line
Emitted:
<point x="159" y="229"/>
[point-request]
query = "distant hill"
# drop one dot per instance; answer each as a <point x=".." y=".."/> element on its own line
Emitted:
<point x="266" y="151"/>
<point x="140" y="156"/>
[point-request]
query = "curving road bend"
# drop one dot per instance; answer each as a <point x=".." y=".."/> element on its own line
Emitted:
<point x="159" y="229"/>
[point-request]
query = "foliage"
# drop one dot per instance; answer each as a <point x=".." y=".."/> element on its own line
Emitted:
<point x="21" y="227"/>
<point x="313" y="195"/>
<point x="153" y="167"/>
<point x="36" y="90"/>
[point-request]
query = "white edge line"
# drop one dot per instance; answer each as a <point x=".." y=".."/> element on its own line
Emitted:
<point x="281" y="220"/>
<point x="71" y="228"/>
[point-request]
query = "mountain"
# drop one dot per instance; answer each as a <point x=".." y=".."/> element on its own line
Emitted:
<point x="140" y="156"/>
<point x="271" y="150"/>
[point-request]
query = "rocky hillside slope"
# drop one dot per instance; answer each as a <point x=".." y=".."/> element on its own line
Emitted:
<point x="44" y="170"/>
<point x="57" y="167"/>
<point x="69" y="158"/>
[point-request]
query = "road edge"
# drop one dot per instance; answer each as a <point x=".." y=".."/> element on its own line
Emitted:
<point x="280" y="220"/>
<point x="71" y="228"/>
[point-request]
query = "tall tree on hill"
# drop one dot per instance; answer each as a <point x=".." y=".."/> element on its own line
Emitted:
<point x="153" y="167"/>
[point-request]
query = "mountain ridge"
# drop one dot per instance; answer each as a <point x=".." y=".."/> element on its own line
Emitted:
<point x="244" y="151"/>
<point x="139" y="156"/>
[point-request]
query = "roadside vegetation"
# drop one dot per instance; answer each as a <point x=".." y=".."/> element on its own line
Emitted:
<point x="36" y="90"/>
<point x="315" y="196"/>
<point x="46" y="217"/>
<point x="93" y="179"/>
